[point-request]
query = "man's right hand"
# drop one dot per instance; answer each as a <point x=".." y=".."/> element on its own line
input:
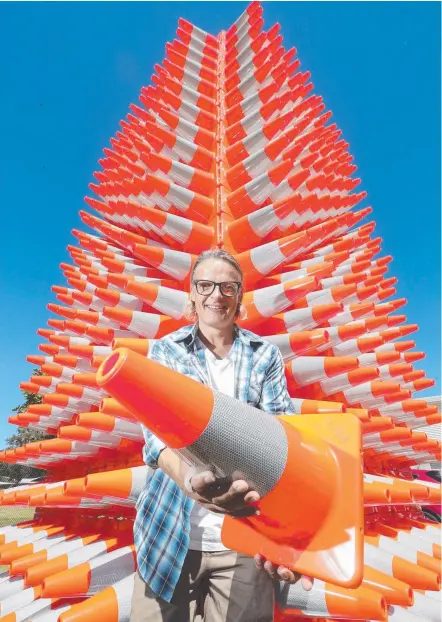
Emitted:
<point x="220" y="495"/>
<point x="224" y="495"/>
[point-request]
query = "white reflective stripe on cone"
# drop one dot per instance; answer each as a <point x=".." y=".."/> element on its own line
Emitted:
<point x="111" y="567"/>
<point x="10" y="587"/>
<point x="427" y="609"/>
<point x="13" y="603"/>
<point x="24" y="613"/>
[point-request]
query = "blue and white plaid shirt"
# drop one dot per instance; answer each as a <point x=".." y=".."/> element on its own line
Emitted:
<point x="162" y="524"/>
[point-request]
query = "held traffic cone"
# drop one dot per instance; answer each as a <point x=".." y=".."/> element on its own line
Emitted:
<point x="123" y="364"/>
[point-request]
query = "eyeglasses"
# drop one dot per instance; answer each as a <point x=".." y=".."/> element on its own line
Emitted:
<point x="227" y="288"/>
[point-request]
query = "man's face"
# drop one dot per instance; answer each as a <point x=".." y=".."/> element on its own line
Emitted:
<point x="215" y="310"/>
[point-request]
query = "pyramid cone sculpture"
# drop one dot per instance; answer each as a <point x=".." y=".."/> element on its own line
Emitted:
<point x="230" y="146"/>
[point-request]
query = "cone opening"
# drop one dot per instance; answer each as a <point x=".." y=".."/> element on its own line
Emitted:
<point x="110" y="366"/>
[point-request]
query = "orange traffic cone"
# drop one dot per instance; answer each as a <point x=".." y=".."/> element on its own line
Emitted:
<point x="325" y="600"/>
<point x="112" y="603"/>
<point x="125" y="363"/>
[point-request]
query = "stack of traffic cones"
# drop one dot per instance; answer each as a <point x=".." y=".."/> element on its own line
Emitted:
<point x="230" y="147"/>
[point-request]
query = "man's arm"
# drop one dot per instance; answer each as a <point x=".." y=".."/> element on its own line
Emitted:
<point x="174" y="467"/>
<point x="275" y="397"/>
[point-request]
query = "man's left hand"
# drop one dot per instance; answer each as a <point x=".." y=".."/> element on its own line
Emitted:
<point x="281" y="573"/>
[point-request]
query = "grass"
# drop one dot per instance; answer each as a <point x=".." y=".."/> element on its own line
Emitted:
<point x="13" y="515"/>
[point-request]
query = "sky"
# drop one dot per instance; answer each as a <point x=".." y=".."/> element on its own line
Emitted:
<point x="70" y="70"/>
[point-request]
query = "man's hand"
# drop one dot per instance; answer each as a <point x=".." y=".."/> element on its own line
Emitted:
<point x="221" y="495"/>
<point x="280" y="573"/>
<point x="224" y="495"/>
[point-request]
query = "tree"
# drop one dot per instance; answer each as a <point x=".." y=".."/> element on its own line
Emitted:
<point x="27" y="435"/>
<point x="16" y="472"/>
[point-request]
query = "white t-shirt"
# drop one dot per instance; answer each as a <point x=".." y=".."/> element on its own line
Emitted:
<point x="205" y="526"/>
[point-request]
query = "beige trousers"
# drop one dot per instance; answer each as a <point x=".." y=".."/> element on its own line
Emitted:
<point x="213" y="587"/>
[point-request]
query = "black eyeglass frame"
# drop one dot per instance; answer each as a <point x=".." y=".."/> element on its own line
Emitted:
<point x="219" y="285"/>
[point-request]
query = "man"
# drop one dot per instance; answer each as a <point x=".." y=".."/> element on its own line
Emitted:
<point x="184" y="570"/>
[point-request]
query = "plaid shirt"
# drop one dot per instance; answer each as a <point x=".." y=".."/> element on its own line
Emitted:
<point x="162" y="524"/>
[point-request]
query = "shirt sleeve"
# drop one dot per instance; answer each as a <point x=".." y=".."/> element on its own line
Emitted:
<point x="153" y="445"/>
<point x="275" y="398"/>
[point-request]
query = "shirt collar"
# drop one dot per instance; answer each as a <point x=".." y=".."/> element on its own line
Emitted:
<point x="188" y="334"/>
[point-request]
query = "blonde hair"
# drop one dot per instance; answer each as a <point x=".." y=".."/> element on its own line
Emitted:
<point x="220" y="254"/>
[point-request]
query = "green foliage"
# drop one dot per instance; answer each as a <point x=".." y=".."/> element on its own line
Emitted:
<point x="26" y="435"/>
<point x="30" y="398"/>
<point x="16" y="472"/>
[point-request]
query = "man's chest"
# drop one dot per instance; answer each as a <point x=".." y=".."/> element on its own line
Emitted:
<point x="248" y="373"/>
